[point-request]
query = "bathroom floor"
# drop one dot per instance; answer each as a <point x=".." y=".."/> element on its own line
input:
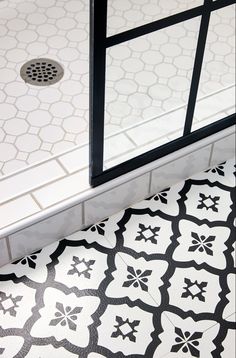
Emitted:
<point x="146" y="78"/>
<point x="155" y="280"/>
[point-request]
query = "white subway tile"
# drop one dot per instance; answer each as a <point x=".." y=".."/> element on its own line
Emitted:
<point x="116" y="199"/>
<point x="4" y="256"/>
<point x="116" y="145"/>
<point x="17" y="209"/>
<point x="46" y="232"/>
<point x="215" y="103"/>
<point x="180" y="169"/>
<point x="158" y="127"/>
<point x="75" y="160"/>
<point x="137" y="151"/>
<point x="29" y="179"/>
<point x="62" y="189"/>
<point x="223" y="149"/>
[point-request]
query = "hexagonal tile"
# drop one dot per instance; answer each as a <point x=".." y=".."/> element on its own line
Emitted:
<point x="132" y="65"/>
<point x="16" y="126"/>
<point x="28" y="142"/>
<point x="139" y="100"/>
<point x="49" y="95"/>
<point x="7" y="75"/>
<point x="125" y="86"/>
<point x="145" y="78"/>
<point x="74" y="124"/>
<point x="118" y="109"/>
<point x="71" y="87"/>
<point x="39" y="118"/>
<point x="51" y="134"/>
<point x="27" y="103"/>
<point x="7" y="111"/>
<point x="62" y="110"/>
<point x="165" y="70"/>
<point x="7" y="152"/>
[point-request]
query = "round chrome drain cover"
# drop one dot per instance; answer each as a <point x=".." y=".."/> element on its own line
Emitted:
<point x="41" y="72"/>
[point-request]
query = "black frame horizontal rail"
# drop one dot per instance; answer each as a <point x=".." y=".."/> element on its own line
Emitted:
<point x="99" y="43"/>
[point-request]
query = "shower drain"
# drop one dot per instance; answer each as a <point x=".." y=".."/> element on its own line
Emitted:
<point x="41" y="72"/>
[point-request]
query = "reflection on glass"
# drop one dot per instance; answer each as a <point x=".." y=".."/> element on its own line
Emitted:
<point x="127" y="14"/>
<point x="147" y="87"/>
<point x="216" y="94"/>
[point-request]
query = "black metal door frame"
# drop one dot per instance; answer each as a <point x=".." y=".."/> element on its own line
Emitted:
<point x="99" y="43"/>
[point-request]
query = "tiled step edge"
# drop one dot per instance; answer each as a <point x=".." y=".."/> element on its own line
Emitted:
<point x="55" y="221"/>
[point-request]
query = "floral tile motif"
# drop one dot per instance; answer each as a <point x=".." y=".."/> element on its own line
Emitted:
<point x="166" y="201"/>
<point x="155" y="280"/>
<point x="16" y="303"/>
<point x="81" y="268"/>
<point x="223" y="173"/>
<point x="65" y="317"/>
<point x="202" y="244"/>
<point x="33" y="266"/>
<point x="125" y="329"/>
<point x="104" y="229"/>
<point x="137" y="279"/>
<point x="194" y="290"/>
<point x="208" y="202"/>
<point x="186" y="338"/>
<point x="145" y="233"/>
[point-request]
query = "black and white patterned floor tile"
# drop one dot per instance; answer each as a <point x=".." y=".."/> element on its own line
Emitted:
<point x="156" y="280"/>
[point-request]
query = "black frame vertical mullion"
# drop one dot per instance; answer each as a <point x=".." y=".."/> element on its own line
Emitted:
<point x="97" y="70"/>
<point x="197" y="67"/>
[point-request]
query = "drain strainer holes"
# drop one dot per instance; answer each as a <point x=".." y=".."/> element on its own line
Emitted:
<point x="41" y="72"/>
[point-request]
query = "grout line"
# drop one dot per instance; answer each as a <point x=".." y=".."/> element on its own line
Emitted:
<point x="211" y="153"/>
<point x="77" y="171"/>
<point x="150" y="183"/>
<point x="126" y="264"/>
<point x="60" y="202"/>
<point x="83" y="213"/>
<point x="131" y="140"/>
<point x="29" y="191"/>
<point x="9" y="248"/>
<point x="36" y="200"/>
<point x="62" y="166"/>
<point x="53" y="157"/>
<point x="224" y="318"/>
<point x="106" y="162"/>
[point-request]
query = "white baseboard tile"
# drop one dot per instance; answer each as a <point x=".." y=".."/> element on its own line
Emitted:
<point x="114" y="200"/>
<point x="223" y="149"/>
<point x="98" y="203"/>
<point x="180" y="169"/>
<point x="46" y="232"/>
<point x="4" y="255"/>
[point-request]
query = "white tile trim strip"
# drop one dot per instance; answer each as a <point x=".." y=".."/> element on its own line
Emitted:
<point x="73" y="196"/>
<point x="4" y="254"/>
<point x="30" y="179"/>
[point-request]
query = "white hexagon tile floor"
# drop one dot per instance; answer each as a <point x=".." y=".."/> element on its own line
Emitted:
<point x="146" y="77"/>
<point x="155" y="280"/>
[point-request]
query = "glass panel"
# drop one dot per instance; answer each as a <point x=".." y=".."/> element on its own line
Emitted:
<point x="147" y="87"/>
<point x="216" y="95"/>
<point x="127" y="14"/>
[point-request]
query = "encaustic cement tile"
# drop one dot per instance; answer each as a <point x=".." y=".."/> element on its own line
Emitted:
<point x="155" y="280"/>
